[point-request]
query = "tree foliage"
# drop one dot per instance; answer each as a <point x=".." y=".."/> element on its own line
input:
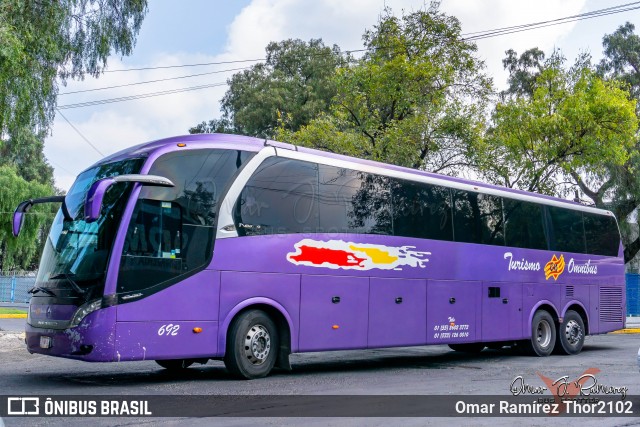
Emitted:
<point x="41" y="41"/>
<point x="294" y="82"/>
<point x="416" y="98"/>
<point x="523" y="71"/>
<point x="570" y="123"/>
<point x="622" y="62"/>
<point x="44" y="43"/>
<point x="21" y="253"/>
<point x="622" y="57"/>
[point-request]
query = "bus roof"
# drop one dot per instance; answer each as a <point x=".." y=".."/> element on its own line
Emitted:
<point x="252" y="144"/>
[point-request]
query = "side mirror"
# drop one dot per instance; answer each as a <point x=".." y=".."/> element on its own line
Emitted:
<point x="95" y="195"/>
<point x="18" y="220"/>
<point x="23" y="207"/>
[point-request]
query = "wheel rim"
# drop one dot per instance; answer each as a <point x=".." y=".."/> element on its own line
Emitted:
<point x="257" y="344"/>
<point x="573" y="332"/>
<point x="543" y="334"/>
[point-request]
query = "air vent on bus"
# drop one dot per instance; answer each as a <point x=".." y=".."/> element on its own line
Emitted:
<point x="610" y="304"/>
<point x="569" y="291"/>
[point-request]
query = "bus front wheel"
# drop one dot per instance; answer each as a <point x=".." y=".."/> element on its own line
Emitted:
<point x="570" y="334"/>
<point x="252" y="345"/>
<point x="543" y="335"/>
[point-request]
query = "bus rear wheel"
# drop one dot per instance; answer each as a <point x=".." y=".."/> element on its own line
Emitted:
<point x="571" y="334"/>
<point x="175" y="364"/>
<point x="474" y="347"/>
<point x="543" y="335"/>
<point x="252" y="345"/>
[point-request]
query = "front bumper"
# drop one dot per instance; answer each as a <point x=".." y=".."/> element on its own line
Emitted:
<point x="92" y="340"/>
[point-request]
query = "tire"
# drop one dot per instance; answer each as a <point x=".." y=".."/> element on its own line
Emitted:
<point x="252" y="345"/>
<point x="543" y="335"/>
<point x="474" y="347"/>
<point x="175" y="364"/>
<point x="571" y="334"/>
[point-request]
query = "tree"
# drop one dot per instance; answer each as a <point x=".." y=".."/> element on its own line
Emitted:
<point x="23" y="150"/>
<point x="44" y="43"/>
<point x="20" y="253"/>
<point x="416" y="98"/>
<point x="571" y="129"/>
<point x="523" y="71"/>
<point x="622" y="57"/>
<point x="293" y="83"/>
<point x="622" y="62"/>
<point x="572" y="124"/>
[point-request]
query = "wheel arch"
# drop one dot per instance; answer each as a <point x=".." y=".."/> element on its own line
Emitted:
<point x="282" y="319"/>
<point x="545" y="305"/>
<point x="581" y="310"/>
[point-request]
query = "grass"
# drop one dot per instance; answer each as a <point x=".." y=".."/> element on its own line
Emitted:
<point x="4" y="310"/>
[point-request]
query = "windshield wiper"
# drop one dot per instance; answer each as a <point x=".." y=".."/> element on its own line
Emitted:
<point x="37" y="289"/>
<point x="73" y="284"/>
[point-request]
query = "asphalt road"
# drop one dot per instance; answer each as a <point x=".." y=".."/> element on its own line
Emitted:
<point x="12" y="325"/>
<point x="433" y="370"/>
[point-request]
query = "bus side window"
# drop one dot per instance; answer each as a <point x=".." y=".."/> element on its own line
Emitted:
<point x="156" y="230"/>
<point x="351" y="201"/>
<point x="421" y="210"/>
<point x="280" y="198"/>
<point x="601" y="234"/>
<point x="477" y="218"/>
<point x="567" y="230"/>
<point x="524" y="224"/>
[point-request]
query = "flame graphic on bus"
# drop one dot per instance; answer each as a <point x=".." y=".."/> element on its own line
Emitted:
<point x="338" y="254"/>
<point x="554" y="268"/>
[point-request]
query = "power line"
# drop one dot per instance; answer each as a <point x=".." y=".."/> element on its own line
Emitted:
<point x="478" y="35"/>
<point x="57" y="165"/>
<point x="184" y="65"/>
<point x="527" y="27"/>
<point x="586" y="14"/>
<point x="140" y="96"/>
<point x="79" y="133"/>
<point x="154" y="81"/>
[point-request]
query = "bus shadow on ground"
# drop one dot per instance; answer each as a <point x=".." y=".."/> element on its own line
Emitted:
<point x="303" y="364"/>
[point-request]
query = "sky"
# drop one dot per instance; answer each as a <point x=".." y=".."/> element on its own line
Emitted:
<point x="205" y="31"/>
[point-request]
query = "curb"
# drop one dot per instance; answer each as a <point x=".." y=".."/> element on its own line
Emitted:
<point x="627" y="331"/>
<point x="13" y="316"/>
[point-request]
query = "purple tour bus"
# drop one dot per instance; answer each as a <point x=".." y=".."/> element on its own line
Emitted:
<point x="226" y="247"/>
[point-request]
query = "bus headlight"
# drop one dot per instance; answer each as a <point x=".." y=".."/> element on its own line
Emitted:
<point x="83" y="311"/>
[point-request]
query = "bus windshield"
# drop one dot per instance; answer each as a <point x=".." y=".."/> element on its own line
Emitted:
<point x="76" y="252"/>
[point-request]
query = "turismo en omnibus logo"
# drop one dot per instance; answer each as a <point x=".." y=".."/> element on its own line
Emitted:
<point x="552" y="269"/>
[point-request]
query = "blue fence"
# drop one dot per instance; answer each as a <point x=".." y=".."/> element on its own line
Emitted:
<point x="15" y="285"/>
<point x="633" y="294"/>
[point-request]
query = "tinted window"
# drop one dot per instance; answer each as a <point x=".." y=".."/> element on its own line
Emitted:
<point x="601" y="234"/>
<point x="172" y="228"/>
<point x="566" y="231"/>
<point x="421" y="210"/>
<point x="279" y="198"/>
<point x="524" y="224"/>
<point x="477" y="218"/>
<point x="353" y="202"/>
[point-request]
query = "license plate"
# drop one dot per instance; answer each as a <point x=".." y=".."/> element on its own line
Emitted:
<point x="46" y="342"/>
